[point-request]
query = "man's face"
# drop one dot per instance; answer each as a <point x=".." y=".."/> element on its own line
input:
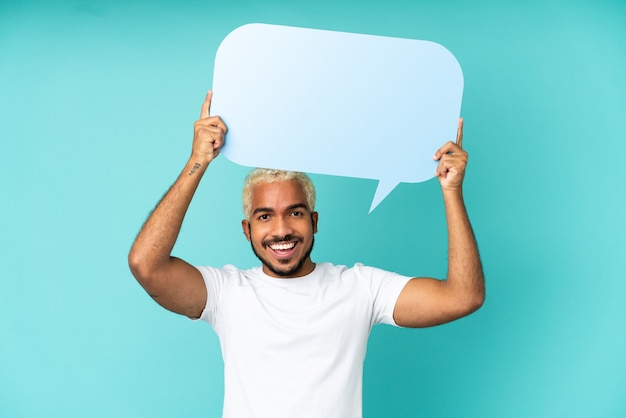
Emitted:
<point x="281" y="229"/>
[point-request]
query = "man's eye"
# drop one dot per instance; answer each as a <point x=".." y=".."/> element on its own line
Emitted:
<point x="296" y="213"/>
<point x="264" y="217"/>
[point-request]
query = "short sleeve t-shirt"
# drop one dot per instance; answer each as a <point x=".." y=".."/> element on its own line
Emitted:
<point x="295" y="347"/>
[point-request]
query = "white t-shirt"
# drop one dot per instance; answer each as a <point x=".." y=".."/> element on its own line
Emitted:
<point x="294" y="348"/>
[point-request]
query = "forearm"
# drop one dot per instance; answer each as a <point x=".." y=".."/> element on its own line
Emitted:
<point x="465" y="275"/>
<point x="428" y="301"/>
<point x="154" y="243"/>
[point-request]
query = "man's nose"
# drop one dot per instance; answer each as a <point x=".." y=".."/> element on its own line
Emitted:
<point x="283" y="227"/>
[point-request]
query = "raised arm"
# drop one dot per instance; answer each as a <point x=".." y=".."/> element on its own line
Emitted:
<point x="426" y="301"/>
<point x="170" y="281"/>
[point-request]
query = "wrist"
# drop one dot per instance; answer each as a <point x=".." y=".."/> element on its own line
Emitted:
<point x="197" y="164"/>
<point x="197" y="158"/>
<point x="452" y="192"/>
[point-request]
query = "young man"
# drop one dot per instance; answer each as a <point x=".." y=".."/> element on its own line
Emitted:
<point x="293" y="333"/>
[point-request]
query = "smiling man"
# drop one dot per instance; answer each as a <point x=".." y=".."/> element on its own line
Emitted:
<point x="276" y="204"/>
<point x="293" y="332"/>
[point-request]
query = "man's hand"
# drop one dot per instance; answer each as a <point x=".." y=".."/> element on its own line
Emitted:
<point x="452" y="162"/>
<point x="209" y="132"/>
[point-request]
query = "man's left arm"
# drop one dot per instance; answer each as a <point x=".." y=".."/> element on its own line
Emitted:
<point x="425" y="301"/>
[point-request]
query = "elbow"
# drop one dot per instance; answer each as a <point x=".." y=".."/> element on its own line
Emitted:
<point x="147" y="270"/>
<point x="469" y="301"/>
<point x="467" y="297"/>
<point x="475" y="301"/>
<point x="134" y="261"/>
<point x="142" y="272"/>
<point x="467" y="306"/>
<point x="475" y="293"/>
<point x="139" y="267"/>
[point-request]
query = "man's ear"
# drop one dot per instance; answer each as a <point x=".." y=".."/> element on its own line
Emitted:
<point x="314" y="221"/>
<point x="245" y="225"/>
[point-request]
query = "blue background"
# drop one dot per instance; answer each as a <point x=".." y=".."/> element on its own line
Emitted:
<point x="97" y="101"/>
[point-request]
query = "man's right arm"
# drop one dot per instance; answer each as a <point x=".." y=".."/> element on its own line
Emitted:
<point x="173" y="283"/>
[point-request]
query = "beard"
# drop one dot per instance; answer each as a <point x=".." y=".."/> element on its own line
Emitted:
<point x="289" y="272"/>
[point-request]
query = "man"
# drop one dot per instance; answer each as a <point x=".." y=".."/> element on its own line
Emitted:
<point x="293" y="333"/>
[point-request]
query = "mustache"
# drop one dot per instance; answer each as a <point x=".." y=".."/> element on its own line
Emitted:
<point x="276" y="240"/>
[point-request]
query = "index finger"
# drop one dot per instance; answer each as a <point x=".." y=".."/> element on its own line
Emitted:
<point x="206" y="106"/>
<point x="459" y="134"/>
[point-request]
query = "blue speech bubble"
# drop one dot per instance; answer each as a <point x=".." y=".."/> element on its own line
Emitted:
<point x="336" y="103"/>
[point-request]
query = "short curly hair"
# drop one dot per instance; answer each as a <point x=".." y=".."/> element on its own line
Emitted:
<point x="269" y="175"/>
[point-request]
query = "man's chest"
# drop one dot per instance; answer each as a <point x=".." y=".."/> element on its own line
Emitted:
<point x="279" y="320"/>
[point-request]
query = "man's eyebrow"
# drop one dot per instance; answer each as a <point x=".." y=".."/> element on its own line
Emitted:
<point x="290" y="207"/>
<point x="257" y="210"/>
<point x="297" y="206"/>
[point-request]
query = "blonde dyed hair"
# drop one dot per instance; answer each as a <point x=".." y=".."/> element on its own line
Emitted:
<point x="269" y="175"/>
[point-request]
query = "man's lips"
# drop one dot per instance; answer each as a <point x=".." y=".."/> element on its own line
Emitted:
<point x="282" y="249"/>
<point x="282" y="246"/>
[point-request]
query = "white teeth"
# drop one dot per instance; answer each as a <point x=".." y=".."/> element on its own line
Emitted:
<point x="283" y="246"/>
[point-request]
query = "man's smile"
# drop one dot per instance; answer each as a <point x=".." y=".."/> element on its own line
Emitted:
<point x="283" y="248"/>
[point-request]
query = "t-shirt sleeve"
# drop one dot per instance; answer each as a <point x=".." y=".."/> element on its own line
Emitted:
<point x="386" y="288"/>
<point x="214" y="280"/>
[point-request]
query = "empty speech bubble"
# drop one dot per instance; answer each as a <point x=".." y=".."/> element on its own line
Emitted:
<point x="336" y="103"/>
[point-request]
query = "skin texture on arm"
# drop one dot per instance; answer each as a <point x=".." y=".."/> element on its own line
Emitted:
<point x="170" y="281"/>
<point x="427" y="302"/>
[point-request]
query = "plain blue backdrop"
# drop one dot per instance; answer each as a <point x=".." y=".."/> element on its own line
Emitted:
<point x="97" y="102"/>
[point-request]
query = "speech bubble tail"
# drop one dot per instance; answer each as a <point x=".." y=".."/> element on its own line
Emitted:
<point x="383" y="189"/>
